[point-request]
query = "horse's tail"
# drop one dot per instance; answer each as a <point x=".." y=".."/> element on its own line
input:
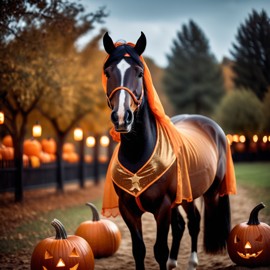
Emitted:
<point x="217" y="224"/>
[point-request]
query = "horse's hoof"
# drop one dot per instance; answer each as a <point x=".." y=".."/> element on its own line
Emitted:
<point x="193" y="261"/>
<point x="171" y="264"/>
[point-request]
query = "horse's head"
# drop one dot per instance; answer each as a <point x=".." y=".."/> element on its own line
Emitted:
<point x="124" y="87"/>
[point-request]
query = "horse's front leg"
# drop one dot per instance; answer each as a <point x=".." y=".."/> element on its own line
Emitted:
<point x="163" y="220"/>
<point x="132" y="217"/>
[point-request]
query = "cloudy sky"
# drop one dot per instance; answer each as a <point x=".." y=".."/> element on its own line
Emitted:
<point x="161" y="19"/>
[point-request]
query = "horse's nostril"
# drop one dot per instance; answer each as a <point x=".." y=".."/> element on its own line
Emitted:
<point x="114" y="117"/>
<point x="128" y="117"/>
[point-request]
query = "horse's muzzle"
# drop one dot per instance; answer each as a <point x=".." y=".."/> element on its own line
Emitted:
<point x="123" y="123"/>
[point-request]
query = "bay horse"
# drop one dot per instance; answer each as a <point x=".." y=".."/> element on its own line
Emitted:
<point x="148" y="174"/>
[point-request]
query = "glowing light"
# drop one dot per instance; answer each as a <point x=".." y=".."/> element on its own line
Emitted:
<point x="78" y="134"/>
<point x="36" y="130"/>
<point x="2" y="118"/>
<point x="242" y="138"/>
<point x="90" y="141"/>
<point x="255" y="138"/>
<point x="264" y="139"/>
<point x="229" y="138"/>
<point x="104" y="141"/>
<point x="235" y="138"/>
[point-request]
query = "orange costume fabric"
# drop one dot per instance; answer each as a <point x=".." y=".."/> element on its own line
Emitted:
<point x="179" y="149"/>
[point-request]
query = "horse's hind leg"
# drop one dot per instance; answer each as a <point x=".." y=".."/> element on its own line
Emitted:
<point x="194" y="218"/>
<point x="178" y="227"/>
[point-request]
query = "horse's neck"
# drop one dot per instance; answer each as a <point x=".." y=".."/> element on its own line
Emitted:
<point x="138" y="145"/>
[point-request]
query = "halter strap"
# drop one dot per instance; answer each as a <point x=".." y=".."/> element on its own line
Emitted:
<point x="138" y="102"/>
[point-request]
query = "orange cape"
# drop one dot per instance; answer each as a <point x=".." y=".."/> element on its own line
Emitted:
<point x="110" y="198"/>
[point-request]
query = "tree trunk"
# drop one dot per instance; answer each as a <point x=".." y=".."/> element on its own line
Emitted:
<point x="59" y="162"/>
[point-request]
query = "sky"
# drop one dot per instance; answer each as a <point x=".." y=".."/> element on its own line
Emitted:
<point x="160" y="20"/>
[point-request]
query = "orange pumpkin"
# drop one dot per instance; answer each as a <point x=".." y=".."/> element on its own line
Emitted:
<point x="102" y="235"/>
<point x="7" y="153"/>
<point x="7" y="141"/>
<point x="44" y="157"/>
<point x="62" y="252"/>
<point x="68" y="147"/>
<point x="32" y="147"/>
<point x="48" y="145"/>
<point x="249" y="242"/>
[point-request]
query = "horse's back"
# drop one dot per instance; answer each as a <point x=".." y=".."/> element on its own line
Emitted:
<point x="204" y="143"/>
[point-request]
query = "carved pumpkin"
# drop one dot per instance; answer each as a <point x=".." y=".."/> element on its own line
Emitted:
<point x="249" y="242"/>
<point x="62" y="252"/>
<point x="102" y="235"/>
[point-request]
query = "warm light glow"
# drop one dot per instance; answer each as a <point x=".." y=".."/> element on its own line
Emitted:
<point x="60" y="263"/>
<point x="2" y="118"/>
<point x="78" y="134"/>
<point x="242" y="138"/>
<point x="235" y="138"/>
<point x="229" y="138"/>
<point x="104" y="141"/>
<point x="36" y="130"/>
<point x="264" y="139"/>
<point x="268" y="138"/>
<point x="255" y="138"/>
<point x="90" y="141"/>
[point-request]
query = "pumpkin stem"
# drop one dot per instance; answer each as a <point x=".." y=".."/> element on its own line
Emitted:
<point x="60" y="229"/>
<point x="253" y="218"/>
<point x="94" y="211"/>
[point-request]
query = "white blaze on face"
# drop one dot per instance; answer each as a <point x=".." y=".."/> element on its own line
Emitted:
<point x="122" y="66"/>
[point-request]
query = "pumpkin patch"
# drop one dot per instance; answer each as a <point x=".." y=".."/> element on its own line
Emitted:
<point x="249" y="242"/>
<point x="102" y="235"/>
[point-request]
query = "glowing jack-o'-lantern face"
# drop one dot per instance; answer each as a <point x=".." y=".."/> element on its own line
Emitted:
<point x="62" y="252"/>
<point x="249" y="242"/>
<point x="60" y="262"/>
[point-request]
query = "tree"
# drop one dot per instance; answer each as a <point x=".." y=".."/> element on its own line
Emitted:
<point x="240" y="111"/>
<point x="251" y="54"/>
<point x="26" y="67"/>
<point x="266" y="113"/>
<point x="193" y="78"/>
<point x="77" y="91"/>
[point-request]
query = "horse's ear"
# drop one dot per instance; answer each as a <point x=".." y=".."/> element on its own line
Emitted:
<point x="108" y="43"/>
<point x="141" y="44"/>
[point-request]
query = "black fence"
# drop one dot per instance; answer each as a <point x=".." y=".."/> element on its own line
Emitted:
<point x="45" y="174"/>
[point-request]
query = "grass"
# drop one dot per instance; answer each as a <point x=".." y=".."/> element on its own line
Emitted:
<point x="256" y="178"/>
<point x="29" y="233"/>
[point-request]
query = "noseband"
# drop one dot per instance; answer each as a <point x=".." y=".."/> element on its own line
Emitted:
<point x="137" y="101"/>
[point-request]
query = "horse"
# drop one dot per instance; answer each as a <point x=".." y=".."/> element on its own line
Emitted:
<point x="144" y="171"/>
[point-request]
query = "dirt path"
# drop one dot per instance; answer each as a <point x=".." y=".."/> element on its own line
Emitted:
<point x="241" y="206"/>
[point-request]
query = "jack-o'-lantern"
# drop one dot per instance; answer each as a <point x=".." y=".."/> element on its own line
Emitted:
<point x="62" y="252"/>
<point x="249" y="242"/>
<point x="103" y="235"/>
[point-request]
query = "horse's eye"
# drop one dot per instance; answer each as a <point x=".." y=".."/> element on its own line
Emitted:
<point x="140" y="74"/>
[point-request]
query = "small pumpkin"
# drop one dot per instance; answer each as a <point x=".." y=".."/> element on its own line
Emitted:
<point x="32" y="147"/>
<point x="62" y="252"/>
<point x="7" y="141"/>
<point x="48" y="145"/>
<point x="103" y="235"/>
<point x="249" y="242"/>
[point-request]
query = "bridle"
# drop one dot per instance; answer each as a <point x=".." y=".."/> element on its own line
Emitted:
<point x="137" y="101"/>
